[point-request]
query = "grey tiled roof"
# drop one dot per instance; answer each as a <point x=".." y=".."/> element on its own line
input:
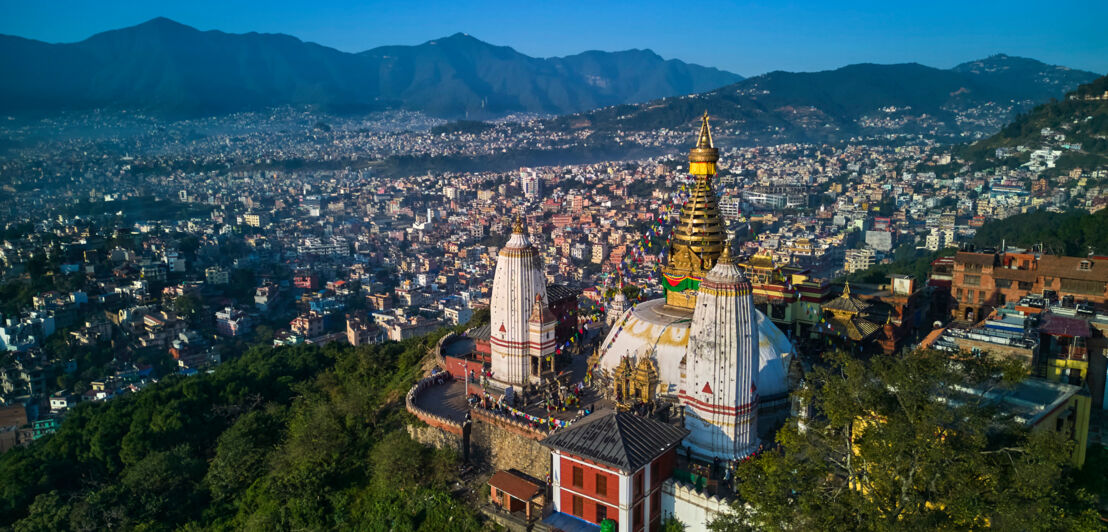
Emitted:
<point x="618" y="439"/>
<point x="483" y="332"/>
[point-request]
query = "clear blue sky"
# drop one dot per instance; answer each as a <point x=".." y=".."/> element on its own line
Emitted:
<point x="744" y="37"/>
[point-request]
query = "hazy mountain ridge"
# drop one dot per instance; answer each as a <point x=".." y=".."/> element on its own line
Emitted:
<point x="163" y="66"/>
<point x="975" y="97"/>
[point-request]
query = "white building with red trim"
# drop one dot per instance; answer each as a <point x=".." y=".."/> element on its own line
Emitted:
<point x="720" y="387"/>
<point x="519" y="347"/>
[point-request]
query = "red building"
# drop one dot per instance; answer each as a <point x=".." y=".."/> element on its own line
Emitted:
<point x="611" y="465"/>
<point x="984" y="281"/>
<point x="307" y="281"/>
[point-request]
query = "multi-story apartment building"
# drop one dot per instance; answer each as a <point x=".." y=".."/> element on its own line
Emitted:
<point x="984" y="281"/>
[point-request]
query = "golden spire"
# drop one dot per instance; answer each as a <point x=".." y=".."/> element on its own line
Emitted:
<point x="725" y="256"/>
<point x="846" y="289"/>
<point x="702" y="158"/>
<point x="517" y="226"/>
<point x="698" y="236"/>
<point x="705" y="140"/>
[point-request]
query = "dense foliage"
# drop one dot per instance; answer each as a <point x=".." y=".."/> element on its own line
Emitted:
<point x="1074" y="233"/>
<point x="893" y="447"/>
<point x="301" y="437"/>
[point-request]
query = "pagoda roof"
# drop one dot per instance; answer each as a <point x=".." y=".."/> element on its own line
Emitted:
<point x="856" y="328"/>
<point x="621" y="440"/>
<point x="847" y="302"/>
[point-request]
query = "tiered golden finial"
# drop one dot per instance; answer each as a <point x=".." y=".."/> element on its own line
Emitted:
<point x="698" y="236"/>
<point x="725" y="256"/>
<point x="703" y="158"/>
<point x="517" y="225"/>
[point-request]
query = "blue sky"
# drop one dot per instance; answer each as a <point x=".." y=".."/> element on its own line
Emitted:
<point x="744" y="37"/>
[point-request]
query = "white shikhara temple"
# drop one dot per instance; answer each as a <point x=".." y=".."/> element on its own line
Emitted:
<point x="522" y="325"/>
<point x="722" y="414"/>
<point x="707" y="344"/>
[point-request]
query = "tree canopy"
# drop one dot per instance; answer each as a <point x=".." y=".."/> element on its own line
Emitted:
<point x="893" y="445"/>
<point x="300" y="437"/>
<point x="1073" y="233"/>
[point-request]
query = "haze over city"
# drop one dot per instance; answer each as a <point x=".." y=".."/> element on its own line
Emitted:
<point x="747" y="38"/>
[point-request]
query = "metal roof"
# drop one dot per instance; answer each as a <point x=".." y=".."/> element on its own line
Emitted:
<point x="621" y="440"/>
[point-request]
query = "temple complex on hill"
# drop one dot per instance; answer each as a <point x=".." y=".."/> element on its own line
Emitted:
<point x="704" y="346"/>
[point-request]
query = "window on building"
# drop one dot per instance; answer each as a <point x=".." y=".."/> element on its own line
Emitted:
<point x="601" y="484"/>
<point x="1003" y="283"/>
<point x="981" y="296"/>
<point x="971" y="280"/>
<point x="655" y="473"/>
<point x="578" y="477"/>
<point x="578" y="506"/>
<point x="1081" y="286"/>
<point x="601" y="513"/>
<point x="1025" y="285"/>
<point x="1085" y="265"/>
<point x="958" y="293"/>
<point x="970" y="294"/>
<point x="655" y="504"/>
<point x="637" y="519"/>
<point x="638" y="484"/>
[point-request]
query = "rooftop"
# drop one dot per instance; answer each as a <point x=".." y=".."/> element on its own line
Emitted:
<point x="618" y="439"/>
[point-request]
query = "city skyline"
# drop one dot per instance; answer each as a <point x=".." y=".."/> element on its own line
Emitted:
<point x="753" y="39"/>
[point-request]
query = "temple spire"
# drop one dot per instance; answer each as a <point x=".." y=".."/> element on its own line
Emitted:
<point x="705" y="140"/>
<point x="698" y="236"/>
<point x="725" y="255"/>
<point x="517" y="225"/>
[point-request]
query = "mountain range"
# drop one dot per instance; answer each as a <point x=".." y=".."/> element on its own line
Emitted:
<point x="165" y="67"/>
<point x="973" y="98"/>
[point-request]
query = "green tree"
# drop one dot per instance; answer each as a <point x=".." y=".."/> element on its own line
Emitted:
<point x="673" y="524"/>
<point x="243" y="451"/>
<point x="163" y="485"/>
<point x="187" y="306"/>
<point x="894" y="446"/>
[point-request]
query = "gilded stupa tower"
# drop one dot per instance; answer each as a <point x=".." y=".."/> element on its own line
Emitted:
<point x="699" y="236"/>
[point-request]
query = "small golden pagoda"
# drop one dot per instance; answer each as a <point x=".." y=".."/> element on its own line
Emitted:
<point x="699" y="236"/>
<point x="644" y="381"/>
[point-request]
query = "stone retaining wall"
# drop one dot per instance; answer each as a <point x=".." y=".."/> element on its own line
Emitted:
<point x="506" y="444"/>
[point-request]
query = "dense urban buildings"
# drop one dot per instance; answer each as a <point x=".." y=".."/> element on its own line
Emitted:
<point x="170" y="257"/>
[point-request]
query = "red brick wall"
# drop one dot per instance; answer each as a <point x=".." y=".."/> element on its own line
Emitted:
<point x="589" y="474"/>
<point x="588" y="507"/>
<point x="667" y="463"/>
<point x="458" y="367"/>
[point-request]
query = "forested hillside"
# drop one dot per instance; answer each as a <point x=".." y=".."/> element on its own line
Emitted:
<point x="1082" y="117"/>
<point x="1075" y="233"/>
<point x="292" y="438"/>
